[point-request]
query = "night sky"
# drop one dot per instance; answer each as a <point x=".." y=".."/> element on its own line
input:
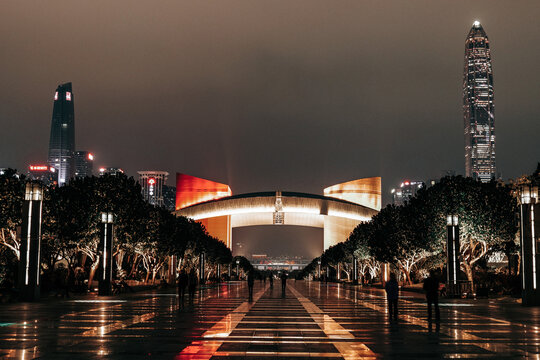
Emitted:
<point x="268" y="95"/>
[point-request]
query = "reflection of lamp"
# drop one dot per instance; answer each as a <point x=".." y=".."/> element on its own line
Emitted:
<point x="528" y="199"/>
<point x="106" y="247"/>
<point x="452" y="249"/>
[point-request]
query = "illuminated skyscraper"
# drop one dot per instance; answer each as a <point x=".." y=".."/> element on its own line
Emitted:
<point x="152" y="183"/>
<point x="478" y="108"/>
<point x="84" y="164"/>
<point x="62" y="140"/>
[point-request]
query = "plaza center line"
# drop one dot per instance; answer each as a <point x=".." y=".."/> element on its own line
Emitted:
<point x="456" y="334"/>
<point x="205" y="349"/>
<point x="348" y="349"/>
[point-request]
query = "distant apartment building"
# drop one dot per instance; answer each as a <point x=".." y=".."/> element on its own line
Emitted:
<point x="152" y="183"/>
<point x="84" y="164"/>
<point x="406" y="190"/>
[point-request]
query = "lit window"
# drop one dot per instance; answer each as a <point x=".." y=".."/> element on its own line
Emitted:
<point x="68" y="96"/>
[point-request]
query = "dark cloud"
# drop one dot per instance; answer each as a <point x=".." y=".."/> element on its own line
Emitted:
<point x="268" y="95"/>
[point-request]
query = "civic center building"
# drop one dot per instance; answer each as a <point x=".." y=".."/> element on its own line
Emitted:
<point x="338" y="211"/>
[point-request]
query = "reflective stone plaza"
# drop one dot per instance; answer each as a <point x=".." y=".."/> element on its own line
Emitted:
<point x="313" y="320"/>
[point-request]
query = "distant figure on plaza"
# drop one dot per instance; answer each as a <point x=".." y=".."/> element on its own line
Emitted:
<point x="283" y="283"/>
<point x="250" y="281"/>
<point x="182" y="284"/>
<point x="392" y="294"/>
<point x="192" y="285"/>
<point x="271" y="279"/>
<point x="431" y="287"/>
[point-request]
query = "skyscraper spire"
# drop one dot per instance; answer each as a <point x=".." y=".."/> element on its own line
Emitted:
<point x="62" y="140"/>
<point x="478" y="107"/>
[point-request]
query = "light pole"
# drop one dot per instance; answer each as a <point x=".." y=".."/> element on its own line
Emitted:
<point x="452" y="253"/>
<point x="30" y="250"/>
<point x="201" y="268"/>
<point x="237" y="273"/>
<point x="355" y="270"/>
<point x="530" y="230"/>
<point x="319" y="262"/>
<point x="105" y="250"/>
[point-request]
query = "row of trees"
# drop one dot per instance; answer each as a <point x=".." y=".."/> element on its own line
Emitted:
<point x="145" y="235"/>
<point x="412" y="237"/>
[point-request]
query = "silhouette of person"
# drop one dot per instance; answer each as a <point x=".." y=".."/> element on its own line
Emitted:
<point x="182" y="284"/>
<point x="283" y="283"/>
<point x="192" y="285"/>
<point x="392" y="294"/>
<point x="250" y="281"/>
<point x="271" y="279"/>
<point x="431" y="287"/>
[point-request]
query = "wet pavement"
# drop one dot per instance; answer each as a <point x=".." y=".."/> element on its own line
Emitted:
<point x="324" y="321"/>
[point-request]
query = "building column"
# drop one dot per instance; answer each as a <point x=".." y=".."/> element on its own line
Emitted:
<point x="30" y="250"/>
<point x="530" y="259"/>
<point x="106" y="254"/>
<point x="452" y="254"/>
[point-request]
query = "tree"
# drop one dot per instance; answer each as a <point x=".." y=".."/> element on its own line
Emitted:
<point x="11" y="203"/>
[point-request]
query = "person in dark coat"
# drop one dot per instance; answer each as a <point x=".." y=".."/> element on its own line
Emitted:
<point x="192" y="285"/>
<point x="392" y="294"/>
<point x="182" y="284"/>
<point x="250" y="281"/>
<point x="431" y="287"/>
<point x="271" y="279"/>
<point x="283" y="283"/>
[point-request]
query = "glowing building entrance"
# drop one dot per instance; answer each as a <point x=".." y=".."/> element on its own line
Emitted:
<point x="338" y="211"/>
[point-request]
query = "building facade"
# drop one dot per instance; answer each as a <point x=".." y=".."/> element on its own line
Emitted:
<point x="43" y="173"/>
<point x="478" y="107"/>
<point x="110" y="171"/>
<point x="84" y="164"/>
<point x="62" y="139"/>
<point x="152" y="186"/>
<point x="406" y="190"/>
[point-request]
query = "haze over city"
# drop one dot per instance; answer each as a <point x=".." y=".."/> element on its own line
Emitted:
<point x="268" y="96"/>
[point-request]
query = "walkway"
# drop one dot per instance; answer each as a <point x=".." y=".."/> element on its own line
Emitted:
<point x="313" y="321"/>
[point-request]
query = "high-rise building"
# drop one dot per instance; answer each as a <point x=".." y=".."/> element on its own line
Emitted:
<point x="405" y="191"/>
<point x="478" y="107"/>
<point x="152" y="186"/>
<point x="62" y="140"/>
<point x="44" y="173"/>
<point x="84" y="164"/>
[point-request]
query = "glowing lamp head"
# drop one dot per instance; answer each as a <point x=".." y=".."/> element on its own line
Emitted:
<point x="151" y="181"/>
<point x="476" y="23"/>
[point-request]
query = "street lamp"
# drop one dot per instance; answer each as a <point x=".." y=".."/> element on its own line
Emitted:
<point x="452" y="252"/>
<point x="319" y="262"/>
<point x="237" y="273"/>
<point x="30" y="249"/>
<point x="529" y="209"/>
<point x="106" y="250"/>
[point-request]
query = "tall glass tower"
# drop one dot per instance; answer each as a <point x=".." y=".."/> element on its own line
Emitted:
<point x="478" y="108"/>
<point x="62" y="141"/>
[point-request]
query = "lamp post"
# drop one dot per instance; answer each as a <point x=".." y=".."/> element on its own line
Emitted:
<point x="529" y="210"/>
<point x="237" y="273"/>
<point x="30" y="250"/>
<point x="201" y="268"/>
<point x="218" y="272"/>
<point x="452" y="253"/>
<point x="355" y="270"/>
<point x="106" y="250"/>
<point x="319" y="263"/>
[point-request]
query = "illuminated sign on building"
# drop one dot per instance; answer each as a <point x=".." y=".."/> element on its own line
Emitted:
<point x="90" y="157"/>
<point x="40" y="168"/>
<point x="56" y="95"/>
<point x="68" y="96"/>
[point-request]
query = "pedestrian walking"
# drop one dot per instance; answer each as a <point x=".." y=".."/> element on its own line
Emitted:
<point x="271" y="279"/>
<point x="182" y="284"/>
<point x="192" y="285"/>
<point x="392" y="295"/>
<point x="431" y="287"/>
<point x="283" y="283"/>
<point x="250" y="281"/>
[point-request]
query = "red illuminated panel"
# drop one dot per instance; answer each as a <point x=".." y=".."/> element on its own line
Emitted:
<point x="151" y="181"/>
<point x="39" y="167"/>
<point x="191" y="190"/>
